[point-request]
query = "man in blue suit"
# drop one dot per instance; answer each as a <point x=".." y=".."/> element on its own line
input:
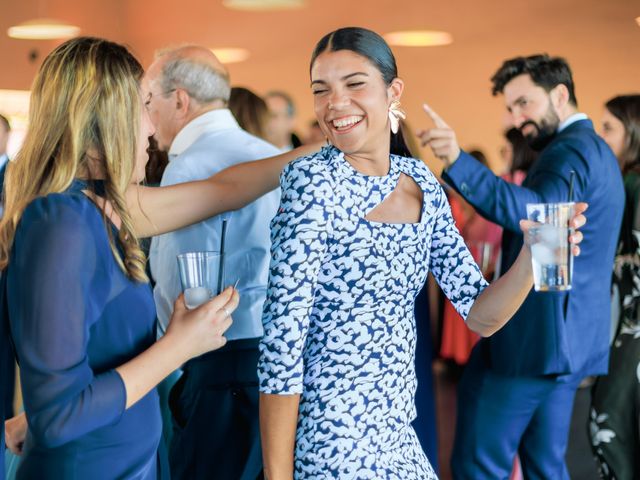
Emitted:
<point x="517" y="392"/>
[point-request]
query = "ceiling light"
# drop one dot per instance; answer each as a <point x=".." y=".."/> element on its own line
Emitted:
<point x="264" y="4"/>
<point x="231" y="55"/>
<point x="418" y="38"/>
<point x="638" y="21"/>
<point x="43" y="29"/>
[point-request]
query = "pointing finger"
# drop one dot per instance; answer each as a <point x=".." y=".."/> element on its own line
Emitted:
<point x="437" y="119"/>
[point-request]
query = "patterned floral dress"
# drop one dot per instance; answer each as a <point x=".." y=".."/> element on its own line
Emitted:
<point x="614" y="420"/>
<point x="339" y="321"/>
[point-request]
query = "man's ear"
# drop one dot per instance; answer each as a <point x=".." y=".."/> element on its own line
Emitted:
<point x="182" y="102"/>
<point x="559" y="96"/>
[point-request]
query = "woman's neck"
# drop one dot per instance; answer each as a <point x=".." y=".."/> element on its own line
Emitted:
<point x="373" y="162"/>
<point x="92" y="168"/>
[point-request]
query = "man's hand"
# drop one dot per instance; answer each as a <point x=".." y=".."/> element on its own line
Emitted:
<point x="441" y="139"/>
<point x="15" y="431"/>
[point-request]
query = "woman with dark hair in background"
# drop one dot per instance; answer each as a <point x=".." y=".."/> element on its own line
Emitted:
<point x="483" y="240"/>
<point x="158" y="161"/>
<point x="517" y="155"/>
<point x="250" y="111"/>
<point x="615" y="408"/>
<point x="359" y="226"/>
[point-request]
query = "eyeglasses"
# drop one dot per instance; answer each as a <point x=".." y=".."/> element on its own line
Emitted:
<point x="147" y="102"/>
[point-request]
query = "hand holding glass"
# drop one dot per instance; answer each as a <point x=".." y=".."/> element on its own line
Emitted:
<point x="551" y="251"/>
<point x="199" y="275"/>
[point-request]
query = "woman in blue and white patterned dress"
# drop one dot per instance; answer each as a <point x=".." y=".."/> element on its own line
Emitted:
<point x="357" y="231"/>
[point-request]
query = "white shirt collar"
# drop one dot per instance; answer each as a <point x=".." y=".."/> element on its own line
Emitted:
<point x="213" y="120"/>
<point x="572" y="119"/>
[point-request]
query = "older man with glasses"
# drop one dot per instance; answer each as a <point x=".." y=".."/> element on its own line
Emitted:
<point x="215" y="403"/>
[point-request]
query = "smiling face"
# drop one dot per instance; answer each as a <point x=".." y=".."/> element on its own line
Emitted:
<point x="351" y="103"/>
<point x="532" y="110"/>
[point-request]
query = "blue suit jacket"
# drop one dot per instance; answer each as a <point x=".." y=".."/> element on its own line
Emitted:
<point x="555" y="333"/>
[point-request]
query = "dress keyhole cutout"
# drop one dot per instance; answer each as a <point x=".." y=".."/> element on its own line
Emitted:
<point x="403" y="205"/>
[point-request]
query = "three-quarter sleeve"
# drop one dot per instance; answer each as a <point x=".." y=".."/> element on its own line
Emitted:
<point x="58" y="283"/>
<point x="451" y="262"/>
<point x="299" y="234"/>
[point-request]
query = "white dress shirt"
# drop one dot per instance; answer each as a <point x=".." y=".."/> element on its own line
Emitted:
<point x="206" y="145"/>
<point x="572" y="119"/>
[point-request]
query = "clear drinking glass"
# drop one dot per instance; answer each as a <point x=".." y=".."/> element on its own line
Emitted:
<point x="551" y="255"/>
<point x="201" y="276"/>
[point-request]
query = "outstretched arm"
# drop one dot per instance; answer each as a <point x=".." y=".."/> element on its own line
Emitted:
<point x="500" y="300"/>
<point x="159" y="210"/>
<point x="494" y="198"/>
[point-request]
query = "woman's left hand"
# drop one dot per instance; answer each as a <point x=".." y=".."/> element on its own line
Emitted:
<point x="577" y="221"/>
<point x="15" y="431"/>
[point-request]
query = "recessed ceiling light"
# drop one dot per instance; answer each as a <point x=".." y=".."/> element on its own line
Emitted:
<point x="418" y="38"/>
<point x="43" y="29"/>
<point x="231" y="55"/>
<point x="264" y="4"/>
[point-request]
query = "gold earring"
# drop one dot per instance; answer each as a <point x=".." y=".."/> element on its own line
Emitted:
<point x="395" y="115"/>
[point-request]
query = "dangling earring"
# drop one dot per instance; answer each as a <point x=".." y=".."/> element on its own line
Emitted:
<point x="395" y="115"/>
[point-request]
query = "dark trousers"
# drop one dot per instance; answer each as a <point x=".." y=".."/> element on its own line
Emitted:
<point x="500" y="415"/>
<point x="214" y="406"/>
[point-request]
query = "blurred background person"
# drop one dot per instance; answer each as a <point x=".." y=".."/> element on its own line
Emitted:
<point x="614" y="418"/>
<point x="483" y="240"/>
<point x="282" y="120"/>
<point x="517" y="156"/>
<point x="250" y="110"/>
<point x="315" y="133"/>
<point x="214" y="405"/>
<point x="158" y="161"/>
<point x="5" y="131"/>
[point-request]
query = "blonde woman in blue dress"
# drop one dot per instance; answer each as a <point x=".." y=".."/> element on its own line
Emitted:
<point x="359" y="227"/>
<point x="75" y="303"/>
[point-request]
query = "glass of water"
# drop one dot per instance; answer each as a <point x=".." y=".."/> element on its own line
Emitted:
<point x="200" y="276"/>
<point x="550" y="248"/>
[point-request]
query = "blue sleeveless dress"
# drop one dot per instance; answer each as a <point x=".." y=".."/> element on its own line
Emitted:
<point x="339" y="316"/>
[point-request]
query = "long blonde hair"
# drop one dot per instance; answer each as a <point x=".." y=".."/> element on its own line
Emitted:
<point x="85" y="98"/>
